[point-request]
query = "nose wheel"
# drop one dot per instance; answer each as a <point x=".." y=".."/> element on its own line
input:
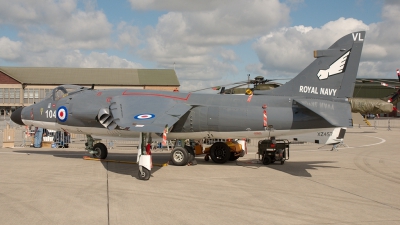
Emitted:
<point x="100" y="151"/>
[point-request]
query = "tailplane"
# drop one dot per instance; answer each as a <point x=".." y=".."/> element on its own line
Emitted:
<point x="331" y="75"/>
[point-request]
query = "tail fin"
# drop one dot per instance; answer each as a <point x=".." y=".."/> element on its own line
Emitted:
<point x="331" y="75"/>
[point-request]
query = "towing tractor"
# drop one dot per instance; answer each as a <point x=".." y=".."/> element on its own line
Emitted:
<point x="272" y="150"/>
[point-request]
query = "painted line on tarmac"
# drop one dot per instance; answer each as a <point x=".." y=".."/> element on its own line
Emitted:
<point x="361" y="146"/>
<point x="381" y="142"/>
<point x="30" y="153"/>
<point x="14" y="153"/>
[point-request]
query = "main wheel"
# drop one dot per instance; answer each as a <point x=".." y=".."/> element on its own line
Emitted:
<point x="144" y="175"/>
<point x="101" y="150"/>
<point x="220" y="152"/>
<point x="179" y="156"/>
<point x="232" y="157"/>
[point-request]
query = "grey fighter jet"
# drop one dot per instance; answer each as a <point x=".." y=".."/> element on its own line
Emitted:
<point x="312" y="107"/>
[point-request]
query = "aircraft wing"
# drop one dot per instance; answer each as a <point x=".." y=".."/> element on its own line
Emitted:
<point x="333" y="112"/>
<point x="147" y="113"/>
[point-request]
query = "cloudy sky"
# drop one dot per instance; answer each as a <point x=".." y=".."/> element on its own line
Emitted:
<point x="208" y="42"/>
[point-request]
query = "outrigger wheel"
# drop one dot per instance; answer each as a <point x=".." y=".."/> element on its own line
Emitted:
<point x="144" y="175"/>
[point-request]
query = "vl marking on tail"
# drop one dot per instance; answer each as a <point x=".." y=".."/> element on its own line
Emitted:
<point x="357" y="35"/>
<point x="335" y="68"/>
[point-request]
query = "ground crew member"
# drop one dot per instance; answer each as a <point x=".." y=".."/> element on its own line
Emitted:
<point x="398" y="74"/>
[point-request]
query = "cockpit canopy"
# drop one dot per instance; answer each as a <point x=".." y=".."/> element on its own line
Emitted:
<point x="65" y="90"/>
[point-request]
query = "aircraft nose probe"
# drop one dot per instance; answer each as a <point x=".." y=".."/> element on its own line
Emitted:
<point x="16" y="116"/>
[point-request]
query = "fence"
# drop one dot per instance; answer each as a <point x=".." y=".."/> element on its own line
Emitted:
<point x="387" y="123"/>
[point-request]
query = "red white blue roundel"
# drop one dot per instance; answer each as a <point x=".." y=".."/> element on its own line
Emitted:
<point x="62" y="114"/>
<point x="144" y="116"/>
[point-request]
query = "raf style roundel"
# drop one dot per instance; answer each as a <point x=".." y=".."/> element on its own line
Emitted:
<point x="144" y="116"/>
<point x="62" y="114"/>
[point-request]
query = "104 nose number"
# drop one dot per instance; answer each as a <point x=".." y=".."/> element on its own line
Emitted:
<point x="50" y="113"/>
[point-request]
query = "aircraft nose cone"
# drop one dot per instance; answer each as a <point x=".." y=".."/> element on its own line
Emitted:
<point x="16" y="116"/>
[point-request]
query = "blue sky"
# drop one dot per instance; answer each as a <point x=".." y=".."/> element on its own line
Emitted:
<point x="210" y="42"/>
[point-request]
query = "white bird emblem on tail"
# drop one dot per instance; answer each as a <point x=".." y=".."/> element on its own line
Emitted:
<point x="335" y="68"/>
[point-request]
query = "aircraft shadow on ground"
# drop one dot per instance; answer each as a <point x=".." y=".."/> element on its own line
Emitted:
<point x="119" y="165"/>
<point x="300" y="169"/>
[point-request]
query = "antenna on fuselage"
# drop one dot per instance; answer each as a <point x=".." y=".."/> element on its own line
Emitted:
<point x="92" y="87"/>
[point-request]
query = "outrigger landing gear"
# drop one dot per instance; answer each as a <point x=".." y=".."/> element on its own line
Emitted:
<point x="98" y="150"/>
<point x="144" y="158"/>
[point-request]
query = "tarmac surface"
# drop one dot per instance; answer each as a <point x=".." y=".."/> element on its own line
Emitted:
<point x="358" y="184"/>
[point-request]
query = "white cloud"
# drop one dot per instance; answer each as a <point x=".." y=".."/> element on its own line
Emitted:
<point x="227" y="24"/>
<point x="24" y="13"/>
<point x="47" y="24"/>
<point x="75" y="58"/>
<point x="373" y="52"/>
<point x="197" y="39"/>
<point x="10" y="50"/>
<point x="128" y="35"/>
<point x="177" y="5"/>
<point x="256" y="68"/>
<point x="103" y="60"/>
<point x="54" y="33"/>
<point x="84" y="27"/>
<point x="228" y="55"/>
<point x="381" y="51"/>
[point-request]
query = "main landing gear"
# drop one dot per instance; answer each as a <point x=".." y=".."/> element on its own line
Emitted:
<point x="182" y="156"/>
<point x="219" y="152"/>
